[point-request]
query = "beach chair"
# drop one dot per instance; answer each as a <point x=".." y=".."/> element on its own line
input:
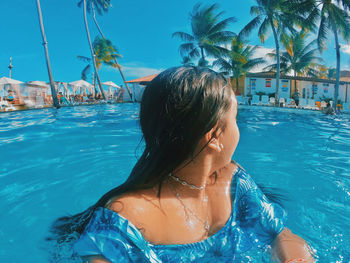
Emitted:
<point x="6" y="106"/>
<point x="290" y="103"/>
<point x="272" y="101"/>
<point x="302" y="103"/>
<point x="318" y="105"/>
<point x="311" y="105"/>
<point x="256" y="100"/>
<point x="39" y="102"/>
<point x="282" y="102"/>
<point x="29" y="103"/>
<point x="265" y="100"/>
<point x="240" y="100"/>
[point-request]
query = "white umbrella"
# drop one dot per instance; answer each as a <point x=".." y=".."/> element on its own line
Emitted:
<point x="81" y="83"/>
<point x="37" y="84"/>
<point x="111" y="84"/>
<point x="5" y="80"/>
<point x="12" y="82"/>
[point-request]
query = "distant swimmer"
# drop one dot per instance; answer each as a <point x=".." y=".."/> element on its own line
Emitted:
<point x="328" y="110"/>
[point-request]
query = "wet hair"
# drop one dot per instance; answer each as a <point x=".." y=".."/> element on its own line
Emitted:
<point x="178" y="108"/>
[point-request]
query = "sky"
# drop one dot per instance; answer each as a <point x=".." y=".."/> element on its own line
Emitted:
<point x="140" y="29"/>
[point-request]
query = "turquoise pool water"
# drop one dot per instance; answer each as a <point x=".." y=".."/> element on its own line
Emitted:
<point x="58" y="162"/>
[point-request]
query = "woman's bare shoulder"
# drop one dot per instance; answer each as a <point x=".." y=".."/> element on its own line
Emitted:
<point x="95" y="259"/>
<point x="139" y="207"/>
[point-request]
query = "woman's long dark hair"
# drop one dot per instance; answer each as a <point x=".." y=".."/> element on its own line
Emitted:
<point x="178" y="108"/>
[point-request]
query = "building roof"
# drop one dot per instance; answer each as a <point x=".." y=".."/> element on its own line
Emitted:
<point x="143" y="80"/>
<point x="273" y="75"/>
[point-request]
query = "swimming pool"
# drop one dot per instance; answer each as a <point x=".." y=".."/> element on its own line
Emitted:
<point x="58" y="162"/>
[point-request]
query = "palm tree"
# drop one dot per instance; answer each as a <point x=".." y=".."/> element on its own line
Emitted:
<point x="279" y="16"/>
<point x="298" y="58"/>
<point x="52" y="85"/>
<point x="93" y="56"/>
<point x="208" y="34"/>
<point x="103" y="6"/>
<point x="240" y="60"/>
<point x="105" y="53"/>
<point x="333" y="16"/>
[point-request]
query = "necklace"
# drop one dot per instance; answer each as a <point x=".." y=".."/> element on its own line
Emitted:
<point x="189" y="211"/>
<point x="183" y="182"/>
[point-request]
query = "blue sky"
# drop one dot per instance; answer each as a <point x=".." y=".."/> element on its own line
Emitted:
<point x="140" y="29"/>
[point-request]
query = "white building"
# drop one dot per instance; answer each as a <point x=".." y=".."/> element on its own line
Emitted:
<point x="309" y="88"/>
<point x="137" y="87"/>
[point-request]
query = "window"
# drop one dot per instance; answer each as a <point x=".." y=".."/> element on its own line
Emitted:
<point x="268" y="83"/>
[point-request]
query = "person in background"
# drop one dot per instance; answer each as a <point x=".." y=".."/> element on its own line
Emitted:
<point x="295" y="97"/>
<point x="328" y="110"/>
<point x="59" y="96"/>
<point x="10" y="96"/>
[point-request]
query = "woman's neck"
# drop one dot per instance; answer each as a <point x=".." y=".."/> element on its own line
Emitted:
<point x="196" y="173"/>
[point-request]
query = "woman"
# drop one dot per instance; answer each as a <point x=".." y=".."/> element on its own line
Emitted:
<point x="184" y="201"/>
<point x="10" y="96"/>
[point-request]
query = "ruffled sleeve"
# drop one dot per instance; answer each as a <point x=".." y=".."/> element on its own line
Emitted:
<point x="259" y="219"/>
<point x="113" y="237"/>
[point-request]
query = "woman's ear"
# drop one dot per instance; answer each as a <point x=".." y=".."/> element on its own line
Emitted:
<point x="213" y="139"/>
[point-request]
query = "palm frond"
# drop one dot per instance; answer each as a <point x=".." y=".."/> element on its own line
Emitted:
<point x="263" y="30"/>
<point x="245" y="32"/>
<point x="223" y="65"/>
<point x="183" y="36"/>
<point x="322" y="34"/>
<point x="85" y="59"/>
<point x="221" y="37"/>
<point x="222" y="25"/>
<point x="186" y="48"/>
<point x="85" y="72"/>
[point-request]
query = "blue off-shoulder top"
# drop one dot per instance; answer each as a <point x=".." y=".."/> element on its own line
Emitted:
<point x="254" y="223"/>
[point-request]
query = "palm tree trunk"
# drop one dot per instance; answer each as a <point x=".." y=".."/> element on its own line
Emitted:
<point x="336" y="87"/>
<point x="202" y="53"/>
<point x="96" y="91"/>
<point x="237" y="83"/>
<point x="52" y="85"/>
<point x="295" y="84"/>
<point x="278" y="60"/>
<point x="115" y="59"/>
<point x="93" y="53"/>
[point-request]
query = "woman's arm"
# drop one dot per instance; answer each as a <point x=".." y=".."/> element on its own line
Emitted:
<point x="288" y="248"/>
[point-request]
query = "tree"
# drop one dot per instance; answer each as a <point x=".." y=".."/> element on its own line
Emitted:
<point x="239" y="61"/>
<point x="332" y="16"/>
<point x="326" y="73"/>
<point x="279" y="16"/>
<point x="93" y="56"/>
<point x="103" y="6"/>
<point x="105" y="53"/>
<point x="48" y="65"/>
<point x="299" y="58"/>
<point x="208" y="34"/>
